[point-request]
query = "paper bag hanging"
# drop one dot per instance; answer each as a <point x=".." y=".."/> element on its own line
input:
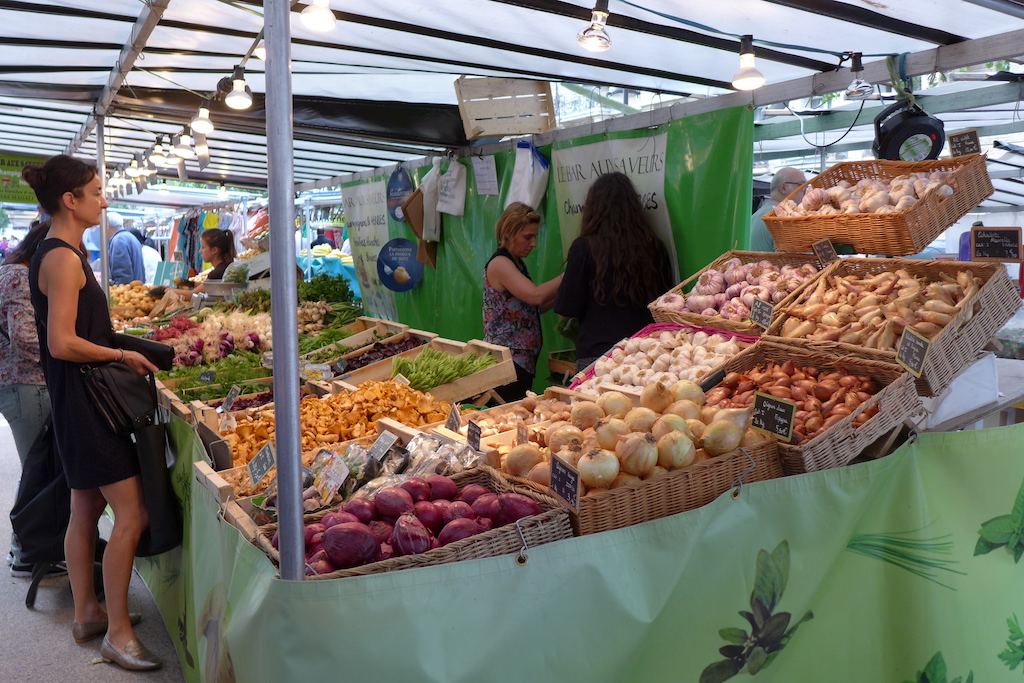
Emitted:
<point x="451" y="190"/>
<point x="412" y="208"/>
<point x="529" y="176"/>
<point x="429" y="188"/>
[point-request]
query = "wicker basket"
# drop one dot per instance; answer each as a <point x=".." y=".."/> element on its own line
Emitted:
<point x="953" y="348"/>
<point x="664" y="315"/>
<point x="838" y="445"/>
<point x="677" y="491"/>
<point x="890" y="234"/>
<point x="552" y="524"/>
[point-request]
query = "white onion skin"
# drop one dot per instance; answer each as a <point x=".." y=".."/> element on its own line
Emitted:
<point x="721" y="436"/>
<point x="598" y="468"/>
<point x="669" y="422"/>
<point x="640" y="419"/>
<point x="696" y="428"/>
<point x="684" y="408"/>
<point x="523" y="458"/>
<point x="637" y="453"/>
<point x="614" y="403"/>
<point x="608" y="432"/>
<point x="586" y="414"/>
<point x="656" y="397"/>
<point x="686" y="389"/>
<point x="675" y="450"/>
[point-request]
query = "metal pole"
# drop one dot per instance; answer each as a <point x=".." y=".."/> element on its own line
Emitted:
<point x="101" y="168"/>
<point x="283" y="297"/>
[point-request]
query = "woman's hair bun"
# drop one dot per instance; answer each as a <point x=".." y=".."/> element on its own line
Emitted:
<point x="35" y="176"/>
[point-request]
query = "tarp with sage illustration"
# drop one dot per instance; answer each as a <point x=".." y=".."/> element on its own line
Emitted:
<point x="901" y="569"/>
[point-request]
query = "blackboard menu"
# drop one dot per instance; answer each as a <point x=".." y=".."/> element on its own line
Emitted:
<point x="454" y="420"/>
<point x="963" y="143"/>
<point x="761" y="313"/>
<point x="473" y="435"/>
<point x="773" y="415"/>
<point x="565" y="482"/>
<point x="995" y="244"/>
<point x="912" y="351"/>
<point x="825" y="251"/>
<point x="207" y="376"/>
<point x="230" y="399"/>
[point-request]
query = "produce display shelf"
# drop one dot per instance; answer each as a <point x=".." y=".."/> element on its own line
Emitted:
<point x="401" y="336"/>
<point x="364" y="331"/>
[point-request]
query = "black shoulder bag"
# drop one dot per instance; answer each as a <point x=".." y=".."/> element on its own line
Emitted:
<point x="125" y="399"/>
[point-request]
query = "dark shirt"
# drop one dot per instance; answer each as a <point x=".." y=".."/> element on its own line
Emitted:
<point x="218" y="271"/>
<point x="321" y="240"/>
<point x="602" y="325"/>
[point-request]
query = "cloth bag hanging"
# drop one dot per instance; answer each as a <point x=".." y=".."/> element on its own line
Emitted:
<point x="429" y="188"/>
<point x="451" y="190"/>
<point x="529" y="176"/>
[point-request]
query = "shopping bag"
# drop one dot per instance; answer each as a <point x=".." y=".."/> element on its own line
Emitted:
<point x="431" y="218"/>
<point x="43" y="505"/>
<point x="156" y="459"/>
<point x="529" y="176"/>
<point x="451" y="190"/>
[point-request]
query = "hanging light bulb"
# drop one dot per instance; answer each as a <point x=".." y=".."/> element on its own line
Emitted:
<point x="133" y="170"/>
<point x="222" y="191"/>
<point x="594" y="37"/>
<point x="858" y="88"/>
<point x="158" y="157"/>
<point x="748" y="77"/>
<point x="163" y="189"/>
<point x="240" y="96"/>
<point x="201" y="122"/>
<point x="183" y="145"/>
<point x="318" y="16"/>
<point x="260" y="51"/>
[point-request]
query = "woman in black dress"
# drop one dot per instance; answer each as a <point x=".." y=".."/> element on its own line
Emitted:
<point x="101" y="467"/>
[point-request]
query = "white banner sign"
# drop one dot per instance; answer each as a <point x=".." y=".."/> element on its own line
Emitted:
<point x="366" y="214"/>
<point x="574" y="169"/>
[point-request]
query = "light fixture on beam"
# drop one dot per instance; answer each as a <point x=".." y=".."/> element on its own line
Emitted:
<point x="201" y="122"/>
<point x="748" y="77"/>
<point x="183" y="145"/>
<point x="239" y="96"/>
<point x="318" y="16"/>
<point x="260" y="51"/>
<point x="594" y="37"/>
<point x="858" y="88"/>
<point x="222" y="191"/>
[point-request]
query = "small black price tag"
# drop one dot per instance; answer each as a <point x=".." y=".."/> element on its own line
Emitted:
<point x="262" y="463"/>
<point x="761" y="313"/>
<point x="963" y="143"/>
<point x="197" y="302"/>
<point x="208" y="376"/>
<point x="773" y="416"/>
<point x="382" y="445"/>
<point x="565" y="482"/>
<point x="712" y="380"/>
<point x="230" y="399"/>
<point x="825" y="251"/>
<point x="912" y="351"/>
<point x="473" y="435"/>
<point x="996" y="244"/>
<point x="454" y="420"/>
<point x="340" y="366"/>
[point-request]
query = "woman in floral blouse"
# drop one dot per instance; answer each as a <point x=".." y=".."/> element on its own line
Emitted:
<point x="24" y="401"/>
<point x="512" y="303"/>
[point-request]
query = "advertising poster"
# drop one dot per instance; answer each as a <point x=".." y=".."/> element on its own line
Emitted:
<point x="12" y="189"/>
<point x="366" y="211"/>
<point x="574" y="167"/>
<point x="397" y="267"/>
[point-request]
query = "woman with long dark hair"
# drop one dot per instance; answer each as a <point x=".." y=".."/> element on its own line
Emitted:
<point x="101" y="467"/>
<point x="615" y="268"/>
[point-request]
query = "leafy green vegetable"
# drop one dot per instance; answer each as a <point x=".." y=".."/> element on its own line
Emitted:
<point x="237" y="367"/>
<point x="250" y="301"/>
<point x="329" y="335"/>
<point x="324" y="287"/>
<point x="236" y="272"/>
<point x="432" y="368"/>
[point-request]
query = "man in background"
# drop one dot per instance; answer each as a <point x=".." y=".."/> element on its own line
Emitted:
<point x="784" y="182"/>
<point x="124" y="252"/>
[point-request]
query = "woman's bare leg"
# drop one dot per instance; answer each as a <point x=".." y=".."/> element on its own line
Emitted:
<point x="80" y="551"/>
<point x="130" y="520"/>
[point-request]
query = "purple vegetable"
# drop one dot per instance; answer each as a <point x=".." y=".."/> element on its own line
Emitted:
<point x="509" y="507"/>
<point x="418" y="488"/>
<point x="458" y="529"/>
<point x="442" y="487"/>
<point x="410" y="536"/>
<point x="457" y="510"/>
<point x="350" y="544"/>
<point x="311" y="530"/>
<point x="470" y="492"/>
<point x="382" y="530"/>
<point x="392" y="501"/>
<point x="319" y="563"/>
<point x="362" y="508"/>
<point x="338" y="517"/>
<point x="482" y="505"/>
<point x="430" y="515"/>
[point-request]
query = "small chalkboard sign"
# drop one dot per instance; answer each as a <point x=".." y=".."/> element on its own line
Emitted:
<point x="773" y="416"/>
<point x="207" y="376"/>
<point x="198" y="298"/>
<point x="912" y="351"/>
<point x="454" y="420"/>
<point x="230" y="399"/>
<point x="340" y="366"/>
<point x="825" y="251"/>
<point x="565" y="482"/>
<point x="963" y="143"/>
<point x="995" y="244"/>
<point x="382" y="445"/>
<point x="761" y="313"/>
<point x="262" y="463"/>
<point x="473" y="435"/>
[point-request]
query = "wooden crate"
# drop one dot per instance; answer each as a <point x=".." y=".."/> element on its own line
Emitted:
<point x="496" y="107"/>
<point x="365" y="331"/>
<point x="401" y="336"/>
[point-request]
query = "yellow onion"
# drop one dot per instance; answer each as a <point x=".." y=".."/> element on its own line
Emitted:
<point x="640" y="419"/>
<point x="684" y="408"/>
<point x="571" y="454"/>
<point x="656" y="472"/>
<point x="562" y="436"/>
<point x="608" y="430"/>
<point x="586" y="414"/>
<point x="637" y="453"/>
<point x="598" y="468"/>
<point x="523" y="458"/>
<point x="696" y="428"/>
<point x="721" y="436"/>
<point x="656" y="397"/>
<point x="675" y="450"/>
<point x="669" y="422"/>
<point x="737" y="416"/>
<point x="625" y="479"/>
<point x="752" y="437"/>
<point x="541" y="473"/>
<point x="614" y="403"/>
<point x="688" y="390"/>
<point x="707" y="413"/>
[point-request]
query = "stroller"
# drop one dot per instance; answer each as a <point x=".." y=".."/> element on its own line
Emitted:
<point x="41" y="513"/>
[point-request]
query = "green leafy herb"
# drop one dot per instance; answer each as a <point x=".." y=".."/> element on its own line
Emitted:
<point x="432" y="368"/>
<point x="310" y="342"/>
<point x="935" y="672"/>
<point x="250" y="301"/>
<point x="324" y="287"/>
<point x="914" y="555"/>
<point x="1004" y="530"/>
<point x="1013" y="655"/>
<point x="769" y="633"/>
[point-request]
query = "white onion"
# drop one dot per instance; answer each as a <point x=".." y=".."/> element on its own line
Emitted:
<point x="675" y="450"/>
<point x="563" y="436"/>
<point x="598" y="468"/>
<point x="640" y="419"/>
<point x="669" y="422"/>
<point x="586" y="414"/>
<point x="608" y="431"/>
<point x="637" y="453"/>
<point x="686" y="409"/>
<point x="696" y="427"/>
<point x="614" y="403"/>
<point x="625" y="479"/>
<point x="721" y="436"/>
<point x="737" y="416"/>
<point x="523" y="458"/>
<point x="686" y="389"/>
<point x="656" y="396"/>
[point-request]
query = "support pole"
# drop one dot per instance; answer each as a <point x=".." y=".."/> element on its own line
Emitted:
<point x="101" y="168"/>
<point x="283" y="297"/>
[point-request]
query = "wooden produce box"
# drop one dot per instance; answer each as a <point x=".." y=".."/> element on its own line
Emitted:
<point x="492" y="106"/>
<point x="896" y="401"/>
<point x="665" y="315"/>
<point x="405" y="334"/>
<point x="365" y="331"/>
<point x="466" y="387"/>
<point x="551" y="393"/>
<point x="956" y="345"/>
<point x="565" y="368"/>
<point x="890" y="234"/>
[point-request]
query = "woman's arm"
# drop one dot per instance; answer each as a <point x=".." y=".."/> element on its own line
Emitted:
<point x="503" y="274"/>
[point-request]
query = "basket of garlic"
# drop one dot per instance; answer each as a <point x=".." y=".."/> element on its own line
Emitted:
<point x="642" y="459"/>
<point x="888" y="208"/>
<point x="662" y="352"/>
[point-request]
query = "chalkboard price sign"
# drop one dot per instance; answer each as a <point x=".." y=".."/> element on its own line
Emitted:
<point x="912" y="351"/>
<point x="454" y="420"/>
<point x="761" y="313"/>
<point x="207" y="376"/>
<point x="473" y="435"/>
<point x="963" y="143"/>
<point x="995" y="244"/>
<point x="382" y="445"/>
<point x="260" y="465"/>
<point x="565" y="482"/>
<point x="773" y="416"/>
<point x="230" y="399"/>
<point x="825" y="251"/>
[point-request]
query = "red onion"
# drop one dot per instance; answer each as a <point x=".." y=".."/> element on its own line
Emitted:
<point x="470" y="492"/>
<point x="319" y="563"/>
<point x="274" y="538"/>
<point x="430" y="515"/>
<point x="458" y="529"/>
<point x="382" y="530"/>
<point x="384" y="553"/>
<point x="509" y="507"/>
<point x="311" y="530"/>
<point x="441" y="504"/>
<point x="485" y="523"/>
<point x="482" y="505"/>
<point x="350" y="544"/>
<point x="418" y="488"/>
<point x="363" y="508"/>
<point x="337" y="517"/>
<point x="316" y="544"/>
<point x="458" y="510"/>
<point x="410" y="536"/>
<point x="442" y="487"/>
<point x="392" y="501"/>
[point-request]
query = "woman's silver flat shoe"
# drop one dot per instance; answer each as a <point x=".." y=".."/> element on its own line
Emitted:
<point x="136" y="656"/>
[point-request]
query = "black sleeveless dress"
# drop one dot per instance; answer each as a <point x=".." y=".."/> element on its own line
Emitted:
<point x="91" y="454"/>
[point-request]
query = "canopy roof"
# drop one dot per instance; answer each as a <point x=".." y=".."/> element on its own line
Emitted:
<point x="378" y="88"/>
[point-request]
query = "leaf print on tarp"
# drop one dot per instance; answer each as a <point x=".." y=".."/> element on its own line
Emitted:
<point x="1004" y="530"/>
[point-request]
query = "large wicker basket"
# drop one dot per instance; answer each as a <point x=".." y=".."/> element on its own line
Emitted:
<point x="552" y="524"/>
<point x="841" y="443"/>
<point x="957" y="345"/>
<point x="889" y="234"/>
<point x="664" y="315"/>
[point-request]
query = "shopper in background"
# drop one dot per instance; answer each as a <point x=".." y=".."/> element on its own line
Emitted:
<point x="615" y="268"/>
<point x="124" y="252"/>
<point x="512" y="303"/>
<point x="23" y="398"/>
<point x="321" y="238"/>
<point x="217" y="247"/>
<point x="101" y="467"/>
<point x="784" y="182"/>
